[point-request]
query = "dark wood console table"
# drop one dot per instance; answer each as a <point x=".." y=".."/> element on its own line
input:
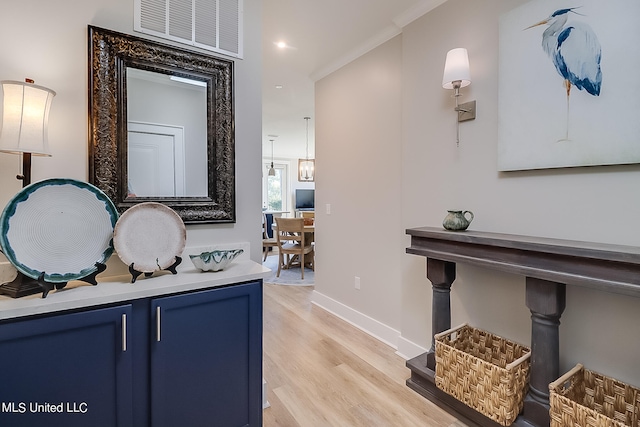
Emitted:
<point x="549" y="265"/>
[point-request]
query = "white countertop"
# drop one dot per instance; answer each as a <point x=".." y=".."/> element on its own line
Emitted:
<point x="114" y="289"/>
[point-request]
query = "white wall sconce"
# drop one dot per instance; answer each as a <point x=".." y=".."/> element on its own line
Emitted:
<point x="456" y="76"/>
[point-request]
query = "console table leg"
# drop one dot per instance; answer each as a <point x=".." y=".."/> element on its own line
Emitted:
<point x="441" y="274"/>
<point x="547" y="301"/>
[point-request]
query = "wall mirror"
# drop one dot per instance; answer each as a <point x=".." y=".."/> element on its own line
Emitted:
<point x="161" y="126"/>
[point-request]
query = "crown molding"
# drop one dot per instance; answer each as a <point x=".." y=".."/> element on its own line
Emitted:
<point x="373" y="42"/>
<point x="420" y="9"/>
<point x="383" y="36"/>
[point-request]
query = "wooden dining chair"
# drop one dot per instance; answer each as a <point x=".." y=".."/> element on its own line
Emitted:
<point x="267" y="242"/>
<point x="292" y="242"/>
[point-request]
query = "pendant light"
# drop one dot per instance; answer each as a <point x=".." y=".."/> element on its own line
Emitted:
<point x="272" y="171"/>
<point x="306" y="166"/>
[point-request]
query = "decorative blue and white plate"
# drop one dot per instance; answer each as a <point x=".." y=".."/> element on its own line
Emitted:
<point x="60" y="227"/>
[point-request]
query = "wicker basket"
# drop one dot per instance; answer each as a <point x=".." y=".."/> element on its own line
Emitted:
<point x="486" y="372"/>
<point x="588" y="399"/>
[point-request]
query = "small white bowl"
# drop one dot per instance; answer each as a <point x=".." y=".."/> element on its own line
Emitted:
<point x="215" y="260"/>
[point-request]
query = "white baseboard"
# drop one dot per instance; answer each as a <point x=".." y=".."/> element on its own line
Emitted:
<point x="404" y="348"/>
<point x="408" y="349"/>
<point x="371" y="326"/>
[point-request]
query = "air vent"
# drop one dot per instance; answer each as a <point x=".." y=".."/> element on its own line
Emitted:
<point x="214" y="25"/>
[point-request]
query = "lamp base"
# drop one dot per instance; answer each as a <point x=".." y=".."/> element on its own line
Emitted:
<point x="21" y="286"/>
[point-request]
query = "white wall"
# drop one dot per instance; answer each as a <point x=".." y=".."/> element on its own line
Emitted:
<point x="358" y="151"/>
<point x="47" y="41"/>
<point x="434" y="175"/>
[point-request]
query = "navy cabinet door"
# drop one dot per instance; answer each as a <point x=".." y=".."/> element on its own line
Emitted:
<point x="206" y="358"/>
<point x="67" y="370"/>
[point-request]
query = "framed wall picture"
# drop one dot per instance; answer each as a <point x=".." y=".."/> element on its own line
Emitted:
<point x="569" y="92"/>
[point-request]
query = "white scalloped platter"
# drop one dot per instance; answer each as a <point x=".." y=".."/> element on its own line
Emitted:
<point x="149" y="235"/>
<point x="60" y="227"/>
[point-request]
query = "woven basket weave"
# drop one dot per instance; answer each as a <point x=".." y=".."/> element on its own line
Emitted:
<point x="588" y="399"/>
<point x="486" y="372"/>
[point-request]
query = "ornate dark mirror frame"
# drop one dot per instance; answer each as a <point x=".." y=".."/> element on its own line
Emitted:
<point x="110" y="53"/>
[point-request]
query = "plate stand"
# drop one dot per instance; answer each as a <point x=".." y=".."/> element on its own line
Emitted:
<point x="45" y="286"/>
<point x="172" y="268"/>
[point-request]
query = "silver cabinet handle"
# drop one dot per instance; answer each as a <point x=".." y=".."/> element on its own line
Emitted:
<point x="158" y="323"/>
<point x="124" y="332"/>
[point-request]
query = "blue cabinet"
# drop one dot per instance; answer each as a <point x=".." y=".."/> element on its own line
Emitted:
<point x="191" y="359"/>
<point x="67" y="370"/>
<point x="206" y="358"/>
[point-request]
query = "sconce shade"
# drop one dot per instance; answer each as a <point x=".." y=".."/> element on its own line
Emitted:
<point x="25" y="117"/>
<point x="456" y="68"/>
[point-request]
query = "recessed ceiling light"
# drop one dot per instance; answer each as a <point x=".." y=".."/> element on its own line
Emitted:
<point x="281" y="45"/>
<point x="279" y="86"/>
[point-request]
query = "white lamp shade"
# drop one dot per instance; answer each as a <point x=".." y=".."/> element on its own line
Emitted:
<point x="25" y="117"/>
<point x="456" y="68"/>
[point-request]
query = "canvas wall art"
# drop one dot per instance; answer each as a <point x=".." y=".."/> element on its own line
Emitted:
<point x="569" y="84"/>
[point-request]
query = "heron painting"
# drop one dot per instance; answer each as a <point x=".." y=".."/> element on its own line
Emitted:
<point x="567" y="92"/>
<point x="575" y="51"/>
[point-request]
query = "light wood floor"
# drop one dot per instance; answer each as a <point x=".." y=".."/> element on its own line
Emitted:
<point x="321" y="371"/>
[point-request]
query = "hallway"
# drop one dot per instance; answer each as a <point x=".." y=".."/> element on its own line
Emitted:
<point x="321" y="371"/>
